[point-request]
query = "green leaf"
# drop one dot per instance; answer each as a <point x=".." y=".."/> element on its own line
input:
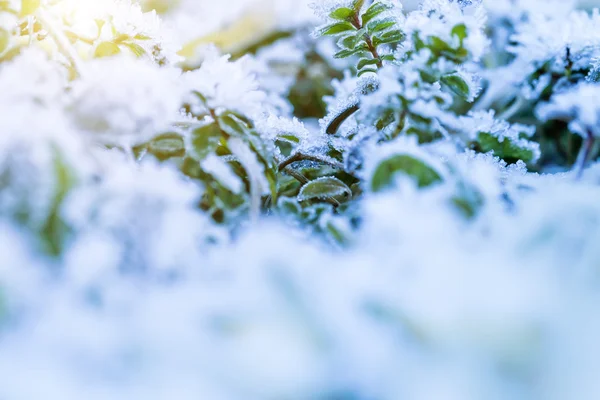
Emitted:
<point x="288" y="205"/>
<point x="106" y="49"/>
<point x="357" y="5"/>
<point x="366" y="70"/>
<point x="167" y="146"/>
<point x="406" y="164"/>
<point x="457" y="84"/>
<point x="348" y="53"/>
<point x="506" y="149"/>
<point x="390" y="37"/>
<point x="367" y="61"/>
<point x="337" y="28"/>
<point x="376" y="9"/>
<point x="460" y="31"/>
<point x="233" y="125"/>
<point x="204" y="141"/>
<point x="380" y="26"/>
<point x="342" y="14"/>
<point x="323" y="188"/>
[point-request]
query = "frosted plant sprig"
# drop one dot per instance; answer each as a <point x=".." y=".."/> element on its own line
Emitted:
<point x="363" y="34"/>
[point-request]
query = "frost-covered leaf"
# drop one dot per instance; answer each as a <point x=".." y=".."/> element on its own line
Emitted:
<point x="505" y="148"/>
<point x="325" y="187"/>
<point x="387" y="170"/>
<point x="204" y="141"/>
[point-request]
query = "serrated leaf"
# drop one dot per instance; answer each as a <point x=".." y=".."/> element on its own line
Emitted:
<point x="204" y="141"/>
<point x="342" y="14"/>
<point x="376" y="9"/>
<point x="386" y="171"/>
<point x="323" y="188"/>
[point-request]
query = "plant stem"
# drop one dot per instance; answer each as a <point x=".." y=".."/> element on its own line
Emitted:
<point x="585" y="154"/>
<point x="368" y="40"/>
<point x="297" y="157"/>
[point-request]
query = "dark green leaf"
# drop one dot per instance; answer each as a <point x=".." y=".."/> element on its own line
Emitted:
<point x="204" y="141"/>
<point x="337" y="28"/>
<point x="347" y="53"/>
<point x="367" y="61"/>
<point x="342" y="14"/>
<point x="457" y="84"/>
<point x="506" y="149"/>
<point x="167" y="146"/>
<point x="323" y="188"/>
<point x="380" y="26"/>
<point x="390" y="37"/>
<point x="384" y="175"/>
<point x="376" y="9"/>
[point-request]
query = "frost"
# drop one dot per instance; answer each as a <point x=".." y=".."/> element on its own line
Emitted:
<point x="125" y="101"/>
<point x="182" y="231"/>
<point x="225" y="85"/>
<point x="223" y="173"/>
<point x="578" y="107"/>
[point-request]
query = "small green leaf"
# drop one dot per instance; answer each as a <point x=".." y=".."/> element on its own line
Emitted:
<point x="323" y="188"/>
<point x="390" y="37"/>
<point x="460" y="31"/>
<point x="380" y="26"/>
<point x="376" y="9"/>
<point x="457" y="84"/>
<point x="233" y="125"/>
<point x="337" y="28"/>
<point x="167" y="146"/>
<point x="357" y="5"/>
<point x="348" y="53"/>
<point x="406" y="164"/>
<point x="204" y="141"/>
<point x="367" y="61"/>
<point x="506" y="149"/>
<point x="342" y="14"/>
